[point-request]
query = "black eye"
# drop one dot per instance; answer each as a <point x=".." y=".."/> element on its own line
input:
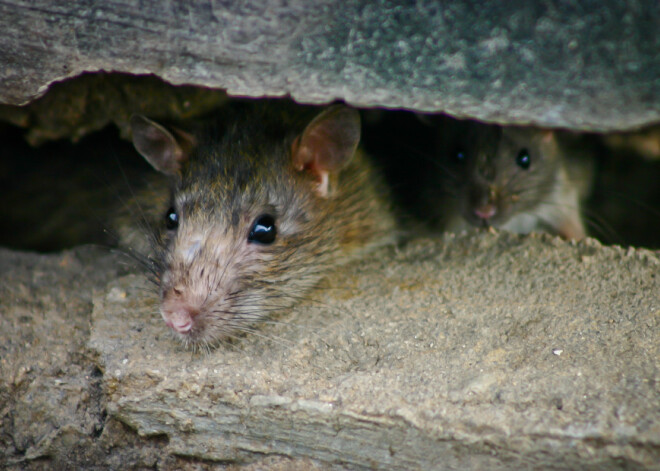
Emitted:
<point x="523" y="160"/>
<point x="263" y="230"/>
<point x="171" y="219"/>
<point x="460" y="155"/>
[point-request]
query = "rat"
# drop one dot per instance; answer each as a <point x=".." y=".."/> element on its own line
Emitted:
<point x="262" y="205"/>
<point x="516" y="178"/>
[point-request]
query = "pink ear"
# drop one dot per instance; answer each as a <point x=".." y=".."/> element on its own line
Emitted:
<point x="158" y="146"/>
<point x="547" y="136"/>
<point x="327" y="144"/>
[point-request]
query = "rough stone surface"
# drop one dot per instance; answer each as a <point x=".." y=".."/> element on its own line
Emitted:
<point x="53" y="405"/>
<point x="481" y="351"/>
<point x="552" y="64"/>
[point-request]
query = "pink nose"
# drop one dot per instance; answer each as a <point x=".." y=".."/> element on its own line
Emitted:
<point x="181" y="325"/>
<point x="486" y="211"/>
<point x="179" y="316"/>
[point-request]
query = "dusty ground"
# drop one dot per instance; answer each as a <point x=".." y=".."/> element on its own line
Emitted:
<point x="483" y="351"/>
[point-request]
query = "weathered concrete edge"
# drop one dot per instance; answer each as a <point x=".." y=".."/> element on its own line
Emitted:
<point x="335" y="435"/>
<point x="570" y="69"/>
<point x="256" y="425"/>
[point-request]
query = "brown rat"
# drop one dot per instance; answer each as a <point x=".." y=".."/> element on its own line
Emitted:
<point x="262" y="206"/>
<point x="509" y="177"/>
<point x="644" y="142"/>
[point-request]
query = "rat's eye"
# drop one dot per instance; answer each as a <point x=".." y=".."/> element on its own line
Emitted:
<point x="459" y="156"/>
<point x="171" y="219"/>
<point x="263" y="230"/>
<point x="523" y="159"/>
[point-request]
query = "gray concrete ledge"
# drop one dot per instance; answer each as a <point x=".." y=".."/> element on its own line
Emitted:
<point x="593" y="66"/>
<point x="481" y="351"/>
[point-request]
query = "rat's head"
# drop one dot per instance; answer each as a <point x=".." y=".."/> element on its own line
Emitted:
<point x="498" y="172"/>
<point x="248" y="229"/>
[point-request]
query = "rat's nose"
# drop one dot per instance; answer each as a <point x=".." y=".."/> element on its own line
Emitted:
<point x="177" y="311"/>
<point x="180" y="319"/>
<point x="486" y="211"/>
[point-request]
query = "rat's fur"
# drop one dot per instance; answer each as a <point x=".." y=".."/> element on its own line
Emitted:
<point x="487" y="180"/>
<point x="242" y="168"/>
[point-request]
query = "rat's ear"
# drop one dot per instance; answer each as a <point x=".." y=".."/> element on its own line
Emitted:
<point x="160" y="147"/>
<point x="327" y="144"/>
<point x="547" y="136"/>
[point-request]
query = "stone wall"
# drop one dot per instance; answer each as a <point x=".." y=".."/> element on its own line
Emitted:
<point x="590" y="66"/>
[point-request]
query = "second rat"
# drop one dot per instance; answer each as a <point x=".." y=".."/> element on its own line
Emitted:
<point x="262" y="205"/>
<point x="514" y="178"/>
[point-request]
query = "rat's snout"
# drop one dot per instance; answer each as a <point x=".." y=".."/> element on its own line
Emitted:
<point x="193" y="289"/>
<point x="483" y="204"/>
<point x="486" y="211"/>
<point x="178" y="313"/>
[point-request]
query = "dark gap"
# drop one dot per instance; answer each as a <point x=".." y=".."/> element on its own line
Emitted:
<point x="60" y="194"/>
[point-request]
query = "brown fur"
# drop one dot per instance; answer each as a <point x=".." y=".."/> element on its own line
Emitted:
<point x="541" y="197"/>
<point x="241" y="169"/>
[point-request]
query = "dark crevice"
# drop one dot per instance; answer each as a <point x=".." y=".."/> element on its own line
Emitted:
<point x="61" y="194"/>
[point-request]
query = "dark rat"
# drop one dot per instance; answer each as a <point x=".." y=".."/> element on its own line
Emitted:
<point x="510" y="177"/>
<point x="262" y="206"/>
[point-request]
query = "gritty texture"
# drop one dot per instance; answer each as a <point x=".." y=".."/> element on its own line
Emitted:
<point x="480" y="351"/>
<point x="53" y="411"/>
<point x="551" y="63"/>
